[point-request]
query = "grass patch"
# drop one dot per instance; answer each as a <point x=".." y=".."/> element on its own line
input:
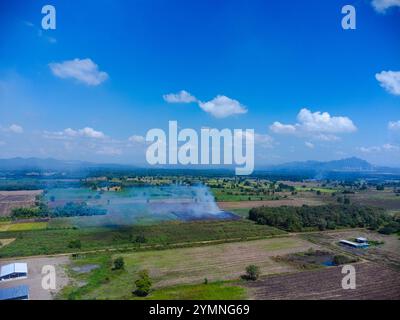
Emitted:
<point x="25" y="226"/>
<point x="52" y="241"/>
<point x="210" y="291"/>
<point x="242" y="212"/>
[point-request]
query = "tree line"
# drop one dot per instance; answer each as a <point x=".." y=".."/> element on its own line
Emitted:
<point x="323" y="217"/>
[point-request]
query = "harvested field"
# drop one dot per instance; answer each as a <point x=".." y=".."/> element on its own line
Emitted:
<point x="373" y="282"/>
<point x="16" y="199"/>
<point x="383" y="199"/>
<point x="229" y="205"/>
<point x="192" y="265"/>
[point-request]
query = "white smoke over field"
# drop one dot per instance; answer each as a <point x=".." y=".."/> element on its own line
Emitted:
<point x="134" y="205"/>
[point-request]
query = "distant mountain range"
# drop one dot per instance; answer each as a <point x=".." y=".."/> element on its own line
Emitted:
<point x="49" y="164"/>
<point x="349" y="164"/>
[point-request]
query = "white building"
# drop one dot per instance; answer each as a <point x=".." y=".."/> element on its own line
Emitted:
<point x="13" y="271"/>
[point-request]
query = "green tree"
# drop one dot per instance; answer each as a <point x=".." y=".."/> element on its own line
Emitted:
<point x="143" y="284"/>
<point x="119" y="263"/>
<point x="252" y="272"/>
<point x="75" y="244"/>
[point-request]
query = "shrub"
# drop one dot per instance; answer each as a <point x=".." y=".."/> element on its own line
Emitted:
<point x="143" y="284"/>
<point x="119" y="263"/>
<point x="341" y="259"/>
<point x="252" y="272"/>
<point x="75" y="244"/>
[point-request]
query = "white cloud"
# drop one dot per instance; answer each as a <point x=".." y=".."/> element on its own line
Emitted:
<point x="369" y="149"/>
<point x="86" y="132"/>
<point x="91" y="133"/>
<point x="222" y="107"/>
<point x="309" y="145"/>
<point x="137" y="139"/>
<point x="326" y="137"/>
<point x="382" y="5"/>
<point x="180" y="97"/>
<point x="14" y="128"/>
<point x="390" y="147"/>
<point x="82" y="70"/>
<point x="262" y="140"/>
<point x="375" y="149"/>
<point x="318" y="125"/>
<point x="394" y="125"/>
<point x="108" y="150"/>
<point x="390" y="81"/>
<point x="324" y="122"/>
<point x="281" y="128"/>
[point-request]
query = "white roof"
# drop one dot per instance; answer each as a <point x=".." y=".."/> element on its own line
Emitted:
<point x="13" y="268"/>
<point x="362" y="239"/>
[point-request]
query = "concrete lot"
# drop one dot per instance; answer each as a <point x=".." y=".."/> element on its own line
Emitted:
<point x="34" y="280"/>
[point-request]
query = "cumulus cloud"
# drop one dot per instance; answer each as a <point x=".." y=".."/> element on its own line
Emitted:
<point x="222" y="107"/>
<point x="390" y="81"/>
<point x="180" y="97"/>
<point x="375" y="149"/>
<point x="137" y="139"/>
<point x="219" y="107"/>
<point x="309" y="145"/>
<point x="394" y="125"/>
<point x="86" y="132"/>
<point x="82" y="70"/>
<point x="324" y="122"/>
<point x="382" y="5"/>
<point x="15" y="128"/>
<point x="281" y="128"/>
<point x="318" y="125"/>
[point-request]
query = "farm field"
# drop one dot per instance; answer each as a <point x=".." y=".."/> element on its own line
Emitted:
<point x="179" y="267"/>
<point x="386" y="199"/>
<point x="16" y="199"/>
<point x="22" y="226"/>
<point x="373" y="282"/>
<point x="387" y="253"/>
<point x="296" y="202"/>
<point x="51" y="241"/>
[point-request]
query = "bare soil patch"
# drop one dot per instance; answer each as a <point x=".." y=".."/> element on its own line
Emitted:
<point x="229" y="205"/>
<point x="373" y="282"/>
<point x="16" y="199"/>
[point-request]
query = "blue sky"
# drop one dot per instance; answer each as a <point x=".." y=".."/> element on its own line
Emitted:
<point x="92" y="88"/>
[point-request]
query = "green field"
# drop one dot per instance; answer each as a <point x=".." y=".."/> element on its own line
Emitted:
<point x="104" y="283"/>
<point x="180" y="272"/>
<point x="24" y="226"/>
<point x="240" y="195"/>
<point x="322" y="190"/>
<point x="51" y="241"/>
<point x="212" y="291"/>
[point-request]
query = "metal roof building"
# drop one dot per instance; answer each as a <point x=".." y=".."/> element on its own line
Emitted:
<point x="15" y="293"/>
<point x="13" y="271"/>
<point x="354" y="244"/>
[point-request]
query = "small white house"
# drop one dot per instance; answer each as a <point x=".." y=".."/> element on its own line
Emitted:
<point x="361" y="240"/>
<point x="13" y="271"/>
